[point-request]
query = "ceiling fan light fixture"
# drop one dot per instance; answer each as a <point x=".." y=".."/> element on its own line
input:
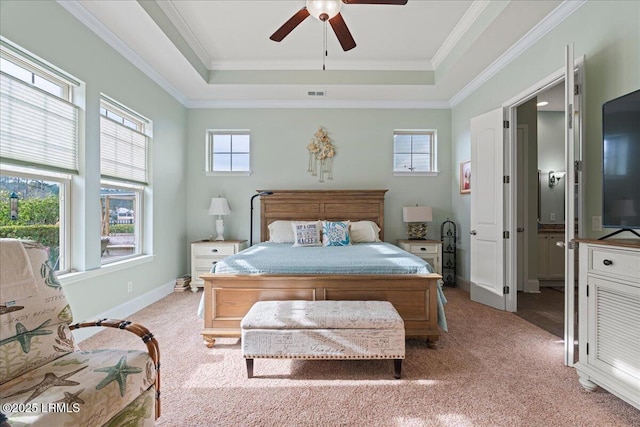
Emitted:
<point x="324" y="10"/>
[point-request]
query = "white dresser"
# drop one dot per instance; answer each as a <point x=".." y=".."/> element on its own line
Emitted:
<point x="429" y="250"/>
<point x="206" y="253"/>
<point x="609" y="317"/>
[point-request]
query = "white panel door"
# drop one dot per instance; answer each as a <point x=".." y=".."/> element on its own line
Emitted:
<point x="569" y="206"/>
<point x="487" y="214"/>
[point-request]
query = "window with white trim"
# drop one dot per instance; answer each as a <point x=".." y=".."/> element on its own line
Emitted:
<point x="39" y="133"/>
<point x="228" y="152"/>
<point x="414" y="152"/>
<point x="124" y="156"/>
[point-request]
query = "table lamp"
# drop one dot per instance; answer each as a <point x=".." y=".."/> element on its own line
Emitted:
<point x="219" y="206"/>
<point x="416" y="218"/>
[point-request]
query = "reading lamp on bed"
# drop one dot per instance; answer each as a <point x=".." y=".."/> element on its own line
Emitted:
<point x="262" y="193"/>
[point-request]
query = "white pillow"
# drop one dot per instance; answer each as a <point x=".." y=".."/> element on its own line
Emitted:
<point x="307" y="233"/>
<point x="365" y="232"/>
<point x="281" y="232"/>
<point x="335" y="233"/>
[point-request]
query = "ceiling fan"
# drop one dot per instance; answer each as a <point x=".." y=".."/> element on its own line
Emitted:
<point x="328" y="10"/>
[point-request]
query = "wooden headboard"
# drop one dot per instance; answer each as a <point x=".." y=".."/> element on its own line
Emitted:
<point x="330" y="205"/>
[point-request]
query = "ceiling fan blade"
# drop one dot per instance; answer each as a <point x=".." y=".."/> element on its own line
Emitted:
<point x="342" y="32"/>
<point x="288" y="26"/>
<point x="394" y="2"/>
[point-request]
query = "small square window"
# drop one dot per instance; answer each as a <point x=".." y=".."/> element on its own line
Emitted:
<point x="228" y="151"/>
<point x="414" y="152"/>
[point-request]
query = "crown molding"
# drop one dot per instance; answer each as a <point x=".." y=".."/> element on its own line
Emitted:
<point x="470" y="16"/>
<point x="93" y="24"/>
<point x="411" y="105"/>
<point x="311" y="65"/>
<point x="558" y="15"/>
<point x="183" y="28"/>
<point x="564" y="10"/>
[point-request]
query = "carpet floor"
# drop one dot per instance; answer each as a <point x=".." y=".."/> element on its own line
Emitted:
<point x="492" y="369"/>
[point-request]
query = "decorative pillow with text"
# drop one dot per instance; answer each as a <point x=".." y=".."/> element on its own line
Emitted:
<point x="307" y="233"/>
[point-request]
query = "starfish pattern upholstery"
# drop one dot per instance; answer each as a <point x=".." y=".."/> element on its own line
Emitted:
<point x="48" y="381"/>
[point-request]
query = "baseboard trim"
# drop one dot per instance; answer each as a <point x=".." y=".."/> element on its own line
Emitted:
<point x="463" y="284"/>
<point x="125" y="310"/>
<point x="532" y="286"/>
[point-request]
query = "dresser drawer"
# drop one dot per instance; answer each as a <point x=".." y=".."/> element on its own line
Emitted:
<point x="198" y="272"/>
<point x="423" y="249"/>
<point x="614" y="262"/>
<point x="207" y="263"/>
<point x="208" y="250"/>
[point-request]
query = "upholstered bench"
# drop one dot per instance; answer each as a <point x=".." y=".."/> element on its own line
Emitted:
<point x="323" y="330"/>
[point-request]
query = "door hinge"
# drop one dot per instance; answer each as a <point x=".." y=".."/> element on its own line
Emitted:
<point x="576" y="90"/>
<point x="587" y="348"/>
<point x="572" y="245"/>
<point x="506" y="179"/>
<point x="577" y="165"/>
<point x="505" y="234"/>
<point x="505" y="290"/>
<point x="587" y="291"/>
<point x="505" y="124"/>
<point x="570" y="123"/>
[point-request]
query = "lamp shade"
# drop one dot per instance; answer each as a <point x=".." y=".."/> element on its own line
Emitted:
<point x="417" y="214"/>
<point x="219" y="206"/>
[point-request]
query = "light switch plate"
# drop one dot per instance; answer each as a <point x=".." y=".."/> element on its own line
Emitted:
<point x="596" y="223"/>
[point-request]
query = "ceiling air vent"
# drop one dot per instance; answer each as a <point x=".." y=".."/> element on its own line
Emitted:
<point x="316" y="93"/>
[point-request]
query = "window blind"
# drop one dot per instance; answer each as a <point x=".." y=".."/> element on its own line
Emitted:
<point x="36" y="128"/>
<point x="123" y="152"/>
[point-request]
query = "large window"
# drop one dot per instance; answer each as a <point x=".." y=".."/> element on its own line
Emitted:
<point x="414" y="152"/>
<point x="33" y="207"/>
<point x="228" y="152"/>
<point x="38" y="151"/>
<point x="124" y="157"/>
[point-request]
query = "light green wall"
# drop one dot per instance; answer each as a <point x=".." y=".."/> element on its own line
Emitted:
<point x="528" y="115"/>
<point x="279" y="137"/>
<point x="551" y="158"/>
<point x="47" y="30"/>
<point x="608" y="35"/>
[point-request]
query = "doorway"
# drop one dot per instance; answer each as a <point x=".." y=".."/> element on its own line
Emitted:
<point x="573" y="195"/>
<point x="541" y="211"/>
<point x="495" y="233"/>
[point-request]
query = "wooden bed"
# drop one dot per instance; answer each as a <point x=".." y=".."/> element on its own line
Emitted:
<point x="227" y="297"/>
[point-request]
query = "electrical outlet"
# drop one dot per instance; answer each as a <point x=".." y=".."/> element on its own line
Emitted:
<point x="596" y="223"/>
<point x="552" y="216"/>
<point x="130" y="287"/>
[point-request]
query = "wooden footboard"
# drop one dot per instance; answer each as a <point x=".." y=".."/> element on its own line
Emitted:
<point x="229" y="297"/>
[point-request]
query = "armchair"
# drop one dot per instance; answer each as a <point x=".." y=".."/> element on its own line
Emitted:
<point x="45" y="379"/>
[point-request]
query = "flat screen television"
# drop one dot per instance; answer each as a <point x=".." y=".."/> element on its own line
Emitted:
<point x="621" y="163"/>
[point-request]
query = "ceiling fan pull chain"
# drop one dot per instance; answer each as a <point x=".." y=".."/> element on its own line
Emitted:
<point x="324" y="46"/>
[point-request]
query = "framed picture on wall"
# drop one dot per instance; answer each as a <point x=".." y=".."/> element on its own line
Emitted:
<point x="465" y="177"/>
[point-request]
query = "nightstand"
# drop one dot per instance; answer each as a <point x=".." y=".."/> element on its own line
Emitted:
<point x="206" y="253"/>
<point x="429" y="250"/>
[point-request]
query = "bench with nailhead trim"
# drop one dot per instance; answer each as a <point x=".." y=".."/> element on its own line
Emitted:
<point x="323" y="330"/>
